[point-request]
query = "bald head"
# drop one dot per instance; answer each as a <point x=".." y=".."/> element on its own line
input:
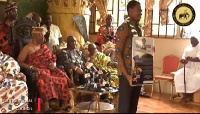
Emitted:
<point x="71" y="42"/>
<point x="92" y="48"/>
<point x="37" y="19"/>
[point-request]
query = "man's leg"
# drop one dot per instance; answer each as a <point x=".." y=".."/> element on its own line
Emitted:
<point x="124" y="95"/>
<point x="134" y="99"/>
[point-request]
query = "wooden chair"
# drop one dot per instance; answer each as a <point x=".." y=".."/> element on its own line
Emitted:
<point x="170" y="65"/>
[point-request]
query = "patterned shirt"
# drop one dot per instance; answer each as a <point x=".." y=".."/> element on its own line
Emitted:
<point x="125" y="33"/>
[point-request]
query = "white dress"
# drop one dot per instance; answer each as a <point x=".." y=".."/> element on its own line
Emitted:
<point x="54" y="36"/>
<point x="192" y="72"/>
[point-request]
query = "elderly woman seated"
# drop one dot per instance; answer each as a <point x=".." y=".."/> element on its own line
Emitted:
<point x="52" y="83"/>
<point x="103" y="62"/>
<point x="13" y="88"/>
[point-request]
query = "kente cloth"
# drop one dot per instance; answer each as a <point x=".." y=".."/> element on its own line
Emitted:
<point x="13" y="92"/>
<point x="125" y="34"/>
<point x="104" y="31"/>
<point x="13" y="96"/>
<point x="51" y="83"/>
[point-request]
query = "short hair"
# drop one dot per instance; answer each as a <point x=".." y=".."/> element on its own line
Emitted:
<point x="132" y="4"/>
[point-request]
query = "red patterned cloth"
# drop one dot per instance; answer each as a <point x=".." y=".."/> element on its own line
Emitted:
<point x="5" y="36"/>
<point x="103" y="32"/>
<point x="51" y="83"/>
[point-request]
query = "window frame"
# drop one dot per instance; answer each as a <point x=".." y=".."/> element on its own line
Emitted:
<point x="176" y="31"/>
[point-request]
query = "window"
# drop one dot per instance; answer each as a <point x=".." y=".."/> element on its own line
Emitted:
<point x="159" y="30"/>
<point x="118" y="9"/>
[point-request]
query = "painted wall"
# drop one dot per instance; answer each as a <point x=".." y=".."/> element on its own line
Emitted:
<point x="163" y="47"/>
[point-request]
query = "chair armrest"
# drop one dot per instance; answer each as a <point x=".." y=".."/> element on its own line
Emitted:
<point x="170" y="74"/>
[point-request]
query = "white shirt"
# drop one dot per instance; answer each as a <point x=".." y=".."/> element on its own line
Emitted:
<point x="54" y="36"/>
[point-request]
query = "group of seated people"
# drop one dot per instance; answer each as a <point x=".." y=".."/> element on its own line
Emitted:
<point x="50" y="71"/>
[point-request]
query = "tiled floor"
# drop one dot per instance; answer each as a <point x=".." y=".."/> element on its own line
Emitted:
<point x="162" y="104"/>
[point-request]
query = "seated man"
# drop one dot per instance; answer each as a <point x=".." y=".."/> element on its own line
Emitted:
<point x="191" y="59"/>
<point x="11" y="99"/>
<point x="52" y="82"/>
<point x="72" y="58"/>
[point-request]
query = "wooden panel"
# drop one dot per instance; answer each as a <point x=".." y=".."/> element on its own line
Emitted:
<point x="197" y="97"/>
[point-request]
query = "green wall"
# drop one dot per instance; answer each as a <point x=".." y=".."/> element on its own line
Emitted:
<point x="26" y="6"/>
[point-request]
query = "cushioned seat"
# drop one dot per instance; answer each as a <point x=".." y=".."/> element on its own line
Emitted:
<point x="170" y="66"/>
<point x="167" y="78"/>
<point x="103" y="106"/>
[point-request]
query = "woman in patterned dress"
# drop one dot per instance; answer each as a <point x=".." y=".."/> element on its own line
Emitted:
<point x="13" y="88"/>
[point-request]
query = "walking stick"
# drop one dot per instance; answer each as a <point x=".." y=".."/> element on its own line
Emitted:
<point x="184" y="79"/>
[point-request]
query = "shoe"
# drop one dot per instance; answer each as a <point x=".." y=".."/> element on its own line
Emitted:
<point x="67" y="109"/>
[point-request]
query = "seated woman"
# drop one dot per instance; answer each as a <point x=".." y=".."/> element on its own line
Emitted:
<point x="103" y="62"/>
<point x="52" y="82"/>
<point x="106" y="33"/>
<point x="13" y="88"/>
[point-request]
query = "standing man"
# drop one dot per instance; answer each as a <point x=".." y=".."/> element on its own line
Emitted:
<point x="53" y="35"/>
<point x="128" y="96"/>
<point x="7" y="42"/>
<point x="35" y="17"/>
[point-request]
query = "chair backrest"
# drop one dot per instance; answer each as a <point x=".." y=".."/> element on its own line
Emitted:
<point x="170" y="64"/>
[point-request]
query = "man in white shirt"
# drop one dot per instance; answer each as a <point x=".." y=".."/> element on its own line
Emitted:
<point x="191" y="59"/>
<point x="53" y="35"/>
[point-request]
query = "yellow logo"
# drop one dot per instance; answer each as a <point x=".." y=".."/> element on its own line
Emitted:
<point x="183" y="14"/>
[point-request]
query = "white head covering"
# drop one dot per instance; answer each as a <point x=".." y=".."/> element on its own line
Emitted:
<point x="195" y="34"/>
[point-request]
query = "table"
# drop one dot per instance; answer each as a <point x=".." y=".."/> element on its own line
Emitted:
<point x="96" y="96"/>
